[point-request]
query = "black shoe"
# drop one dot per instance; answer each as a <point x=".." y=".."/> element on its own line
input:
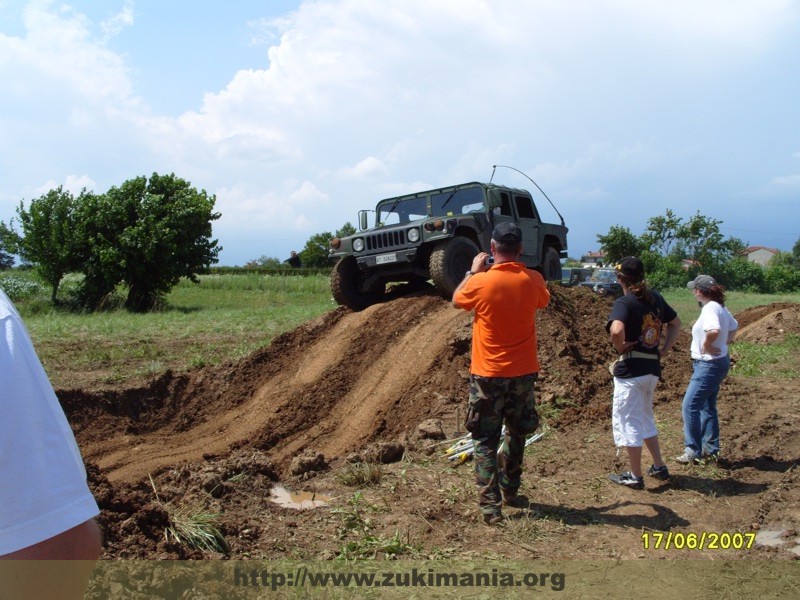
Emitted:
<point x="492" y="519"/>
<point x="515" y="501"/>
<point x="661" y="473"/>
<point x="628" y="480"/>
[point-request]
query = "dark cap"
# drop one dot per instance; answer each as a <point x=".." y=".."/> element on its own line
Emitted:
<point x="631" y="267"/>
<point x="507" y="233"/>
<point x="701" y="282"/>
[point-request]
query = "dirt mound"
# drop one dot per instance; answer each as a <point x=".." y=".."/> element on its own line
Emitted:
<point x="335" y="385"/>
<point x="350" y="383"/>
<point x="769" y="324"/>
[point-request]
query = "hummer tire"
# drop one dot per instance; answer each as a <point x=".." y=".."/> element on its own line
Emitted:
<point x="450" y="259"/>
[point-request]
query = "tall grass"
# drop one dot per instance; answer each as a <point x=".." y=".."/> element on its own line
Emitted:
<point x="221" y="318"/>
<point x="682" y="300"/>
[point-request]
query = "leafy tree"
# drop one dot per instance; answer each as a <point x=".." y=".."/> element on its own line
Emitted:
<point x="661" y="233"/>
<point x="50" y="241"/>
<point x="346" y="230"/>
<point x="741" y="274"/>
<point x="796" y="253"/>
<point x="147" y="234"/>
<point x="782" y="278"/>
<point x="664" y="272"/>
<point x="7" y="238"/>
<point x="315" y="253"/>
<point x="618" y="243"/>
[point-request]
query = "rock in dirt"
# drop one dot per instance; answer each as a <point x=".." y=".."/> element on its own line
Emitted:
<point x="310" y="461"/>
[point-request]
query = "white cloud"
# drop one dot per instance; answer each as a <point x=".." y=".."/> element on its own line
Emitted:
<point x="359" y="100"/>
<point x="787" y="181"/>
<point x="369" y="167"/>
<point x="114" y="25"/>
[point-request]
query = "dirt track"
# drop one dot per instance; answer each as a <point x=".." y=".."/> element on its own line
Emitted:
<point x="352" y="383"/>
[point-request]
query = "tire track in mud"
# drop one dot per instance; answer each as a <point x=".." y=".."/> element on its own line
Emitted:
<point x="352" y="370"/>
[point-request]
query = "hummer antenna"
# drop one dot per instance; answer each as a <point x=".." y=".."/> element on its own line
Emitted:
<point x="494" y="167"/>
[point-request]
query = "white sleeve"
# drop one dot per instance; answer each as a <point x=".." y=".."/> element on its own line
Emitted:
<point x="711" y="316"/>
<point x="43" y="491"/>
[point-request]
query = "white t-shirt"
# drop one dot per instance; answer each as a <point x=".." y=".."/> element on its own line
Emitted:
<point x="43" y="490"/>
<point x="713" y="316"/>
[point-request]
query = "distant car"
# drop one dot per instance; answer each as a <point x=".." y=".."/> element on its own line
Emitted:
<point x="572" y="276"/>
<point x="604" y="282"/>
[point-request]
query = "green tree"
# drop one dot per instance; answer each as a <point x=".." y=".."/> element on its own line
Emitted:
<point x="741" y="274"/>
<point x="50" y="235"/>
<point x="146" y="234"/>
<point x="315" y="253"/>
<point x="661" y="233"/>
<point x="7" y="246"/>
<point x="796" y="253"/>
<point x="618" y="243"/>
<point x="346" y="230"/>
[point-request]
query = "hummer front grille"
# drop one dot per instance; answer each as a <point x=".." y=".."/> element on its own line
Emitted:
<point x="386" y="240"/>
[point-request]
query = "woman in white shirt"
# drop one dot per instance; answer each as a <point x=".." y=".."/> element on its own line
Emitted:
<point x="711" y="334"/>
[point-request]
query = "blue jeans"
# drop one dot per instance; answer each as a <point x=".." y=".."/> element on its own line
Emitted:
<point x="700" y="421"/>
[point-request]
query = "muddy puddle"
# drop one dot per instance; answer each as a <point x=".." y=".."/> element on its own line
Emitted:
<point x="298" y="500"/>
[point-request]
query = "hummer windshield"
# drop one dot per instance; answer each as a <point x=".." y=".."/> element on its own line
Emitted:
<point x="442" y="204"/>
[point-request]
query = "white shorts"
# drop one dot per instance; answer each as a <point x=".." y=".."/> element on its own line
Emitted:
<point x="632" y="419"/>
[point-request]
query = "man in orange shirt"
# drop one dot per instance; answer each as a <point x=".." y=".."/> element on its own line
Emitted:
<point x="505" y="297"/>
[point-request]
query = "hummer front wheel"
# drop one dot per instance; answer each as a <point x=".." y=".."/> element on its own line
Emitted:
<point x="346" y="286"/>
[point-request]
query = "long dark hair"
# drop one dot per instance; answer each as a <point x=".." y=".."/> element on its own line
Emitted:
<point x="716" y="293"/>
<point x="637" y="288"/>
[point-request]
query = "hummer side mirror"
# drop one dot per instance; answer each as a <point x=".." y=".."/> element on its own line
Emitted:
<point x="362" y="220"/>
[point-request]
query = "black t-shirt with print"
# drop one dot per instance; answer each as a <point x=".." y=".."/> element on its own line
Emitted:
<point x="644" y="324"/>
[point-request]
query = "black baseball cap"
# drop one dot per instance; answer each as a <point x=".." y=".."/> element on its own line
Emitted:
<point x="507" y="233"/>
<point x="631" y="267"/>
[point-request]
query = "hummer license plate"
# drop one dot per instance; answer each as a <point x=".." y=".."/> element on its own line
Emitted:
<point x="383" y="259"/>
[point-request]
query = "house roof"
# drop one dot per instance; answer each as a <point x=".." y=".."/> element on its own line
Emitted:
<point x="751" y="249"/>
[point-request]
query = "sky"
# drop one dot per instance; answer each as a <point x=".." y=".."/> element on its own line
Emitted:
<point x="297" y="114"/>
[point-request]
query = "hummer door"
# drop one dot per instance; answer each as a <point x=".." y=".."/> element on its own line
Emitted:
<point x="529" y="224"/>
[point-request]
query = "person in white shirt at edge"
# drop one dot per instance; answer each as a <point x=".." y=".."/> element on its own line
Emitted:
<point x="46" y="509"/>
<point x="711" y="334"/>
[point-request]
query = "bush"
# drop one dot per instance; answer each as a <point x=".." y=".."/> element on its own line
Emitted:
<point x="666" y="273"/>
<point x="741" y="274"/>
<point x="20" y="288"/>
<point x="781" y="278"/>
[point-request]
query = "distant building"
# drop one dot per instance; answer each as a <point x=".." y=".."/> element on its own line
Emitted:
<point x="593" y="259"/>
<point x="688" y="263"/>
<point x="759" y="254"/>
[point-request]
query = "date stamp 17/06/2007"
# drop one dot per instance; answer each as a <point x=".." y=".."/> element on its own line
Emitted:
<point x="705" y="540"/>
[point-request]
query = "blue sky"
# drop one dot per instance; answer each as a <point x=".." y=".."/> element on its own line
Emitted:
<point x="298" y="114"/>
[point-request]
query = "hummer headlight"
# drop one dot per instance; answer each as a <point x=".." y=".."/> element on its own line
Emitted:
<point x="413" y="235"/>
<point x="358" y="244"/>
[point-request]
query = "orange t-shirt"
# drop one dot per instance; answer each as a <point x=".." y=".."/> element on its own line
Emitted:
<point x="505" y="300"/>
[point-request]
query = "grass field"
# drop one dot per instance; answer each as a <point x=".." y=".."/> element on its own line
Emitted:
<point x="222" y="318"/>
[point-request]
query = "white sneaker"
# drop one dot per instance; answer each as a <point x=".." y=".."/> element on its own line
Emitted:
<point x="686" y="459"/>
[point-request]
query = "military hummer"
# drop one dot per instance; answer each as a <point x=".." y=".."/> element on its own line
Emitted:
<point x="435" y="235"/>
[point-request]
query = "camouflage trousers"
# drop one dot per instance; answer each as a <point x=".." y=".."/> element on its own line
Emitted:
<point x="494" y="401"/>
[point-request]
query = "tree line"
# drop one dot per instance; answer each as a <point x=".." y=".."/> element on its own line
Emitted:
<point x="314" y="254"/>
<point x="674" y="250"/>
<point x="145" y="235"/>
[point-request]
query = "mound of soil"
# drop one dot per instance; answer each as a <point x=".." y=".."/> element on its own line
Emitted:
<point x="383" y="384"/>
